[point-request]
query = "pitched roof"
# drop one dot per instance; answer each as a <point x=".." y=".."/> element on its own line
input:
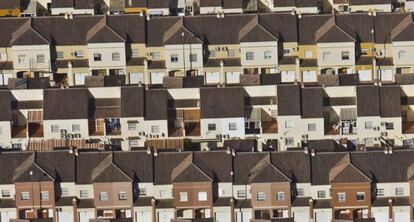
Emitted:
<point x="192" y="169"/>
<point x="210" y="3"/>
<point x="10" y="4"/>
<point x="132" y="101"/>
<point x="29" y="170"/>
<point x="108" y="171"/>
<point x="346" y="172"/>
<point x="388" y="25"/>
<point x="164" y="163"/>
<point x="222" y="102"/>
<point x="255" y="32"/>
<point x="404" y="30"/>
<point x="331" y="31"/>
<point x="102" y="33"/>
<point x="390" y="101"/>
<point x="174" y="34"/>
<point x="156" y="104"/>
<point x="27" y="35"/>
<point x="60" y="104"/>
<point x="265" y="172"/>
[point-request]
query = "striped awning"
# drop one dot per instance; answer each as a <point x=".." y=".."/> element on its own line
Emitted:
<point x="35" y="116"/>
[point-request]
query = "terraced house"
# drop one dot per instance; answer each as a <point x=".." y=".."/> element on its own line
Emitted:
<point x="206" y="186"/>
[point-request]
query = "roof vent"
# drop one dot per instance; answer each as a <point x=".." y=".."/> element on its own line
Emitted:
<point x="305" y="150"/>
<point x="71" y="15"/>
<point x="148" y="17"/>
<point x="313" y="152"/>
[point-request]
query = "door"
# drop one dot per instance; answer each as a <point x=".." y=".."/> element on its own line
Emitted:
<point x="143" y="216"/>
<point x="165" y="216"/>
<point x="65" y="216"/>
<point x="86" y="216"/>
<point x="301" y="216"/>
<point x="233" y="77"/>
<point x="402" y="216"/>
<point x="157" y="77"/>
<point x="381" y="216"/>
<point x="212" y="77"/>
<point x="222" y="216"/>
<point x="323" y="216"/>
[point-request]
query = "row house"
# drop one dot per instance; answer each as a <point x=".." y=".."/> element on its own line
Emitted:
<point x="176" y="186"/>
<point x="198" y="47"/>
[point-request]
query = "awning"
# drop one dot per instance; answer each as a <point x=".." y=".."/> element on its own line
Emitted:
<point x="35" y="116"/>
<point x="348" y="114"/>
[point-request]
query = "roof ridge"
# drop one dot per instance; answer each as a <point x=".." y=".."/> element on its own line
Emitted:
<point x="100" y="25"/>
<point x="23" y="29"/>
<point x="401" y="26"/>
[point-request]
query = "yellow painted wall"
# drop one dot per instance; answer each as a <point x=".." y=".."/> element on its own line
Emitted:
<point x="136" y="10"/>
<point x="68" y="51"/>
<point x="9" y="12"/>
<point x="304" y="48"/>
<point x="223" y="54"/>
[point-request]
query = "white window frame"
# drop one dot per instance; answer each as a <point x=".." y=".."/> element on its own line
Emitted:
<point x="76" y="128"/>
<point x="232" y="126"/>
<point x="44" y="195"/>
<point x="116" y="56"/>
<point x="280" y="196"/>
<point x="341" y="197"/>
<point x="122" y="195"/>
<point x="54" y="128"/>
<point x="260" y="196"/>
<point x="249" y="56"/>
<point x="103" y="196"/>
<point x="202" y="196"/>
<point x="25" y="195"/>
<point x="183" y="196"/>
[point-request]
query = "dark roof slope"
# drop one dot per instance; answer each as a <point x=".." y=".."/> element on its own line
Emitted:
<point x="66" y="104"/>
<point x="346" y="172"/>
<point x="390" y="101"/>
<point x="5" y="105"/>
<point x="368" y="101"/>
<point x="10" y="4"/>
<point x="312" y="102"/>
<point x="289" y="100"/>
<point x="156" y="104"/>
<point x="132" y="101"/>
<point x="164" y="163"/>
<point x="222" y="102"/>
<point x="220" y="162"/>
<point x="265" y="172"/>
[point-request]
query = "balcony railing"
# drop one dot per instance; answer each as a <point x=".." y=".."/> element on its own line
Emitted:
<point x="355" y="220"/>
<point x="193" y="220"/>
<point x="289" y="219"/>
<point x="32" y="220"/>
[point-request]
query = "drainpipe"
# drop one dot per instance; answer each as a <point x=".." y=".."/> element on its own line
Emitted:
<point x="390" y="210"/>
<point x="154" y="214"/>
<point x="232" y="210"/>
<point x="311" y="210"/>
<point x="146" y="74"/>
<point x="222" y="77"/>
<point x="75" y="209"/>
<point x="298" y="74"/>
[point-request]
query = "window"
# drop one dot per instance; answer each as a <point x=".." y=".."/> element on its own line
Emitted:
<point x="84" y="194"/>
<point x="40" y="58"/>
<point x="174" y="58"/>
<point x="165" y="194"/>
<point x="79" y="54"/>
<point x="16" y="145"/>
<point x="142" y="192"/>
<point x="289" y="124"/>
<point x="211" y="127"/>
<point x="360" y="196"/>
<point x="1" y="130"/>
<point x="3" y="57"/>
<point x="156" y="56"/>
<point x="122" y="195"/>
<point x="231" y="53"/>
<point x="301" y="192"/>
<point x="193" y="57"/>
<point x="25" y="196"/>
<point x="321" y="194"/>
<point x="155" y="128"/>
<point x="44" y="195"/>
<point x="364" y="51"/>
<point x="202" y="196"/>
<point x="268" y="55"/>
<point x="289" y="141"/>
<point x="311" y="127"/>
<point x="135" y="53"/>
<point x="232" y="126"/>
<point x="261" y="196"/>
<point x="55" y="128"/>
<point x="380" y="192"/>
<point x="221" y="192"/>
<point x="308" y="54"/>
<point x="249" y="55"/>
<point x="212" y="53"/>
<point x="402" y="54"/>
<point x="345" y="55"/>
<point x="103" y="196"/>
<point x="65" y="191"/>
<point x="389" y="126"/>
<point x="116" y="56"/>
<point x="76" y="127"/>
<point x="133" y="142"/>
<point x="280" y="196"/>
<point x="341" y="197"/>
<point x="183" y="196"/>
<point x="399" y="191"/>
<point x="241" y="194"/>
<point x="21" y="59"/>
<point x="325" y="56"/>
<point x="5" y="194"/>
<point x="132" y="126"/>
<point x="97" y="57"/>
<point x="59" y="55"/>
<point x="369" y="141"/>
<point x="368" y="125"/>
<point x="286" y="51"/>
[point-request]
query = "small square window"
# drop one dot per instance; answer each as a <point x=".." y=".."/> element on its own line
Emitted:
<point x="133" y="142"/>
<point x="321" y="194"/>
<point x="155" y="128"/>
<point x="103" y="196"/>
<point x="193" y="57"/>
<point x="174" y="58"/>
<point x="211" y="127"/>
<point x="55" y="128"/>
<point x="402" y="54"/>
<point x="212" y="53"/>
<point x="249" y="56"/>
<point x="289" y="124"/>
<point x="311" y="127"/>
<point x="65" y="191"/>
<point x="40" y="58"/>
<point x="202" y="196"/>
<point x="156" y="55"/>
<point x="389" y="126"/>
<point x="232" y="126"/>
<point x="261" y="196"/>
<point x="345" y="55"/>
<point x="399" y="191"/>
<point x="308" y="54"/>
<point x="280" y="196"/>
<point x="289" y="141"/>
<point x="25" y="196"/>
<point x="97" y="57"/>
<point x="135" y="53"/>
<point x="360" y="196"/>
<point x="142" y="192"/>
<point x="325" y="56"/>
<point x="84" y="194"/>
<point x="380" y="192"/>
<point x="122" y="195"/>
<point x="132" y="126"/>
<point x="300" y="192"/>
<point x="116" y="56"/>
<point x="5" y="194"/>
<point x="231" y="53"/>
<point x="59" y="55"/>
<point x="21" y="59"/>
<point x="368" y="125"/>
<point x="183" y="196"/>
<point x="267" y="55"/>
<point x="44" y="195"/>
<point x="76" y="127"/>
<point x="241" y="194"/>
<point x="341" y="197"/>
<point x="79" y="54"/>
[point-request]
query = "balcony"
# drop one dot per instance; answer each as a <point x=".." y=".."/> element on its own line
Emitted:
<point x="32" y="220"/>
<point x="354" y="220"/>
<point x="112" y="220"/>
<point x="289" y="219"/>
